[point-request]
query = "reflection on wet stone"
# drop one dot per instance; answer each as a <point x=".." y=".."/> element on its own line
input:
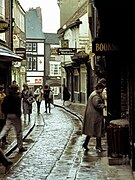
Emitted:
<point x="57" y="153"/>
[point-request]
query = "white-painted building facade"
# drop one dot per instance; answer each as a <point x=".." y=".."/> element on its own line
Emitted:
<point x="76" y="68"/>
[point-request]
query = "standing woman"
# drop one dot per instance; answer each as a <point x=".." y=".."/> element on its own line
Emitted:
<point x="27" y="107"/>
<point x="38" y="94"/>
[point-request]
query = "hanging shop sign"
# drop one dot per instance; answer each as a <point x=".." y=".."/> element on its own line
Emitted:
<point x="66" y="51"/>
<point x="4" y="26"/>
<point x="21" y="52"/>
<point x="65" y="43"/>
<point x="102" y="48"/>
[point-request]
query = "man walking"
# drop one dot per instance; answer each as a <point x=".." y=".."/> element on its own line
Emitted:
<point x="11" y="107"/>
<point x="93" y="118"/>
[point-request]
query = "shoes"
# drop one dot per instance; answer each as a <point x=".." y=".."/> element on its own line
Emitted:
<point x="99" y="149"/>
<point x="85" y="147"/>
<point x="8" y="165"/>
<point x="22" y="149"/>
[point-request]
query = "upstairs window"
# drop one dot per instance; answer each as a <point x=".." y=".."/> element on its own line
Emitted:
<point x="34" y="63"/>
<point x="28" y="47"/>
<point x="31" y="63"/>
<point x="31" y="47"/>
<point x="34" y="47"/>
<point x="55" y="69"/>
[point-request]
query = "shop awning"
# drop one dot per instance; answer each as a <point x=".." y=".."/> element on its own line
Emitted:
<point x="7" y="55"/>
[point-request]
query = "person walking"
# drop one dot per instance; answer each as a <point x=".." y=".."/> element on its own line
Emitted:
<point x="47" y="98"/>
<point x="11" y="107"/>
<point x="93" y="118"/>
<point x="27" y="105"/>
<point x="14" y="82"/>
<point x="38" y="94"/>
<point x="66" y="94"/>
<point x="2" y="116"/>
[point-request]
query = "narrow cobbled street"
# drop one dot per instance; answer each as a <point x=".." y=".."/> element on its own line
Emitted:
<point x="55" y="153"/>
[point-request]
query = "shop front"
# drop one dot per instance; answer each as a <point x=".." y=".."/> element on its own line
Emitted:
<point x="6" y="59"/>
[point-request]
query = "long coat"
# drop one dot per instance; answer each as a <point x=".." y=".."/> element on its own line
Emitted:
<point x="66" y="94"/>
<point x="27" y="108"/>
<point x="93" y="116"/>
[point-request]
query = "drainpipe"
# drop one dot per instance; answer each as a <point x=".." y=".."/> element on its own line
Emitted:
<point x="11" y="24"/>
<point x="10" y="37"/>
<point x="95" y="21"/>
<point x="94" y="25"/>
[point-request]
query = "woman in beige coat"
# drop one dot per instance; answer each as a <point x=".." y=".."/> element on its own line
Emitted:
<point x="93" y="117"/>
<point x="38" y="94"/>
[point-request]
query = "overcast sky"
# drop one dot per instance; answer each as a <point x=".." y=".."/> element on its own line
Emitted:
<point x="50" y="13"/>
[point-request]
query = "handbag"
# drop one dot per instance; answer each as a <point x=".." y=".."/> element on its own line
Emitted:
<point x="30" y="100"/>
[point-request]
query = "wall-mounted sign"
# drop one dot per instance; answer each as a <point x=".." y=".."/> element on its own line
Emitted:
<point x="21" y="52"/>
<point x="66" y="51"/>
<point x="54" y="51"/>
<point x="65" y="43"/>
<point x="3" y="26"/>
<point x="38" y="81"/>
<point x="102" y="48"/>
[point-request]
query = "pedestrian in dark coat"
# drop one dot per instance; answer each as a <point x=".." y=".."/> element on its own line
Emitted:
<point x="66" y="94"/>
<point x="11" y="107"/>
<point x="47" y="98"/>
<point x="93" y="117"/>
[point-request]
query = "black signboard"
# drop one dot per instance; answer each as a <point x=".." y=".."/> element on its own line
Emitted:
<point x="21" y="52"/>
<point x="66" y="51"/>
<point x="101" y="47"/>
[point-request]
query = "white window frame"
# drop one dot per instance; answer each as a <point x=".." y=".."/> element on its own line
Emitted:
<point x="55" y="66"/>
<point x="29" y="63"/>
<point x="34" y="63"/>
<point x="29" y="47"/>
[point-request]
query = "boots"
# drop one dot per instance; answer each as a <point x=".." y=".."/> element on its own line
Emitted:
<point x="85" y="144"/>
<point x="98" y="145"/>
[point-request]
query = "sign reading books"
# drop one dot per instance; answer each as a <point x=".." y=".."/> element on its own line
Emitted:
<point x="102" y="48"/>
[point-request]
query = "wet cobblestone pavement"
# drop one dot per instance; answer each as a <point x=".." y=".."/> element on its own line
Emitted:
<point x="55" y="152"/>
